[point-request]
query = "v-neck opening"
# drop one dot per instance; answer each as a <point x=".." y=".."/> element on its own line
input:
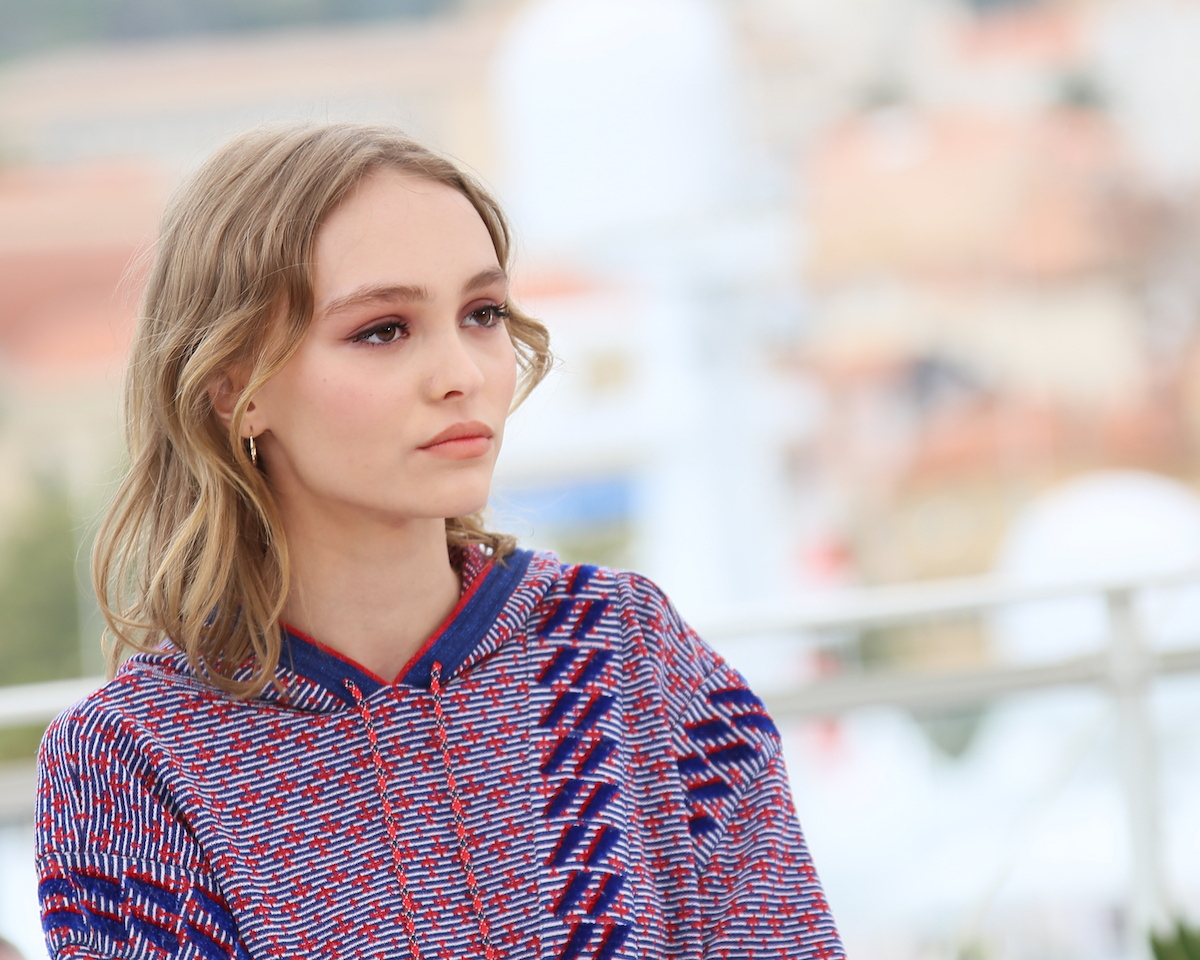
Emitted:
<point x="455" y="638"/>
<point x="465" y="598"/>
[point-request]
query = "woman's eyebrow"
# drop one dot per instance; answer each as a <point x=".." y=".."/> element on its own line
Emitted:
<point x="378" y="294"/>
<point x="485" y="278"/>
<point x="408" y="293"/>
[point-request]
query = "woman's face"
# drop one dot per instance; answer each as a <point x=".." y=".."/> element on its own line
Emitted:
<point x="394" y="404"/>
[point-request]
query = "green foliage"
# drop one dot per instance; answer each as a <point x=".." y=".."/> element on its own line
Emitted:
<point x="20" y="743"/>
<point x="1181" y="944"/>
<point x="33" y="24"/>
<point x="607" y="545"/>
<point x="39" y="611"/>
<point x="973" y="950"/>
<point x="952" y="731"/>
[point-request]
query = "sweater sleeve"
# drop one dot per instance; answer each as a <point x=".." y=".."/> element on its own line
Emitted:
<point x="759" y="896"/>
<point x="120" y="872"/>
<point x="758" y="889"/>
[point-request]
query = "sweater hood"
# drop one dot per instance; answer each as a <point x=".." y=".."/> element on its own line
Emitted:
<point x="313" y="678"/>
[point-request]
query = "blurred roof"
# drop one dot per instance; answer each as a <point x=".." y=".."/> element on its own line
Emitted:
<point x="69" y="237"/>
<point x="1035" y="34"/>
<point x="953" y="193"/>
<point x="106" y="204"/>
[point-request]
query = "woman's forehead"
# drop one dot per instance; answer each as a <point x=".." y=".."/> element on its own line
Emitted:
<point x="399" y="230"/>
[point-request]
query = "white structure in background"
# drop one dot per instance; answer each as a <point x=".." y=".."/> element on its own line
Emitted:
<point x="1145" y="51"/>
<point x="624" y="164"/>
<point x="1109" y="525"/>
<point x="20" y="916"/>
<point x="1112" y="525"/>
<point x="615" y="113"/>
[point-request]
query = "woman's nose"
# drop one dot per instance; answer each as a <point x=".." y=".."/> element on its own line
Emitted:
<point x="453" y="370"/>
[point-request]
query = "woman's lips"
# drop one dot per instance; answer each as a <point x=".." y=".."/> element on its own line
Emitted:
<point x="461" y="441"/>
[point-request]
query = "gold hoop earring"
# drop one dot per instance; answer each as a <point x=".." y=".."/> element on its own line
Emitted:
<point x="253" y="452"/>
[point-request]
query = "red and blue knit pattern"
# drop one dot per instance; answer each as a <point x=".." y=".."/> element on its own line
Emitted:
<point x="565" y="772"/>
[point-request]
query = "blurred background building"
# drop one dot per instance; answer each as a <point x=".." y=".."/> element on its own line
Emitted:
<point x="846" y="293"/>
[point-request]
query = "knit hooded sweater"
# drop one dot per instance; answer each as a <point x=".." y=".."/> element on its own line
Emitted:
<point x="564" y="770"/>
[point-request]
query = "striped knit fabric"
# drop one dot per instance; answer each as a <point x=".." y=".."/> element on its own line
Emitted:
<point x="564" y="771"/>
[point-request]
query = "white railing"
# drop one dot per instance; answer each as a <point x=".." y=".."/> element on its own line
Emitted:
<point x="41" y="702"/>
<point x="1125" y="669"/>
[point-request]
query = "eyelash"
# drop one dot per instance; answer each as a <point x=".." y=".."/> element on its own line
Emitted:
<point x="497" y="314"/>
<point x="400" y="327"/>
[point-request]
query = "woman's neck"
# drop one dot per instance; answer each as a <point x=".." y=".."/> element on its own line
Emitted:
<point x="373" y="592"/>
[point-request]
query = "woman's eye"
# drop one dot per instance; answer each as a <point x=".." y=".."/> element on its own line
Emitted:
<point x="386" y="333"/>
<point x="488" y="316"/>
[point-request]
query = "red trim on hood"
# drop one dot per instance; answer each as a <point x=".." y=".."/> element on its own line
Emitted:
<point x="467" y="594"/>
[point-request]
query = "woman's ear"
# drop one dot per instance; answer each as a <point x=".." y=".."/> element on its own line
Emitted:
<point x="224" y="393"/>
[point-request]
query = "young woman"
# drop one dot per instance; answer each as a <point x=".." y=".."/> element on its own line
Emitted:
<point x="357" y="723"/>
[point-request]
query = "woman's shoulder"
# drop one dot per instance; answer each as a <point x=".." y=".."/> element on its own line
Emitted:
<point x="712" y="718"/>
<point x="596" y="583"/>
<point x="592" y="588"/>
<point x="145" y="687"/>
<point x="630" y="612"/>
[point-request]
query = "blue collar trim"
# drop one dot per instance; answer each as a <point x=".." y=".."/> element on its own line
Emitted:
<point x="457" y="642"/>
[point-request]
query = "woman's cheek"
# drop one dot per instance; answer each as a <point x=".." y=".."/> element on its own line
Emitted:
<point x="351" y="397"/>
<point x="505" y="372"/>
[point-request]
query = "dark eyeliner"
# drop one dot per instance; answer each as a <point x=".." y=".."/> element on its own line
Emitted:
<point x="400" y="327"/>
<point x="499" y="313"/>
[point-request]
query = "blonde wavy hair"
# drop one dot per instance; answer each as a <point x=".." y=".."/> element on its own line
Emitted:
<point x="191" y="552"/>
